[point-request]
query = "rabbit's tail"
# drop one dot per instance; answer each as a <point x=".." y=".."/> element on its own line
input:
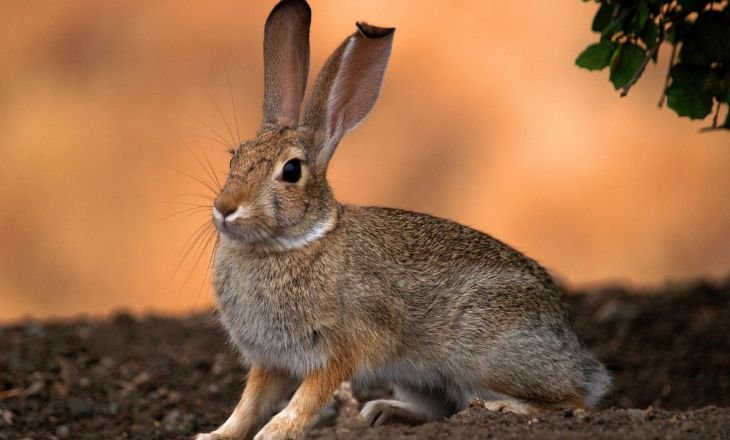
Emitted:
<point x="597" y="380"/>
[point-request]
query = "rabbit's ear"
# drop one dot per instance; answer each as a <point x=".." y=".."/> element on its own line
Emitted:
<point x="347" y="87"/>
<point x="286" y="62"/>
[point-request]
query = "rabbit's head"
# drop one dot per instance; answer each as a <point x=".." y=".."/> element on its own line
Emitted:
<point x="276" y="194"/>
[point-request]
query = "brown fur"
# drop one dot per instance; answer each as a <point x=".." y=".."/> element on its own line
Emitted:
<point x="313" y="292"/>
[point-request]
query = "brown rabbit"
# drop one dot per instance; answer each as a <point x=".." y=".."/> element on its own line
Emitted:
<point x="314" y="293"/>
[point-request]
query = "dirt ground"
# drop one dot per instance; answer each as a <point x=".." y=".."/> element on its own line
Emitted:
<point x="155" y="377"/>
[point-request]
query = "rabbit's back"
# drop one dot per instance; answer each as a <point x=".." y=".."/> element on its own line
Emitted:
<point x="442" y="271"/>
<point x="467" y="309"/>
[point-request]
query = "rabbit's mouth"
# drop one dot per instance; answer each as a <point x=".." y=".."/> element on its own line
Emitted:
<point x="249" y="233"/>
<point x="238" y="225"/>
<point x="258" y="235"/>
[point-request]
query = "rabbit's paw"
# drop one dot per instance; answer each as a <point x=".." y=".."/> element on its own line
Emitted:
<point x="212" y="436"/>
<point x="378" y="412"/>
<point x="281" y="427"/>
<point x="509" y="406"/>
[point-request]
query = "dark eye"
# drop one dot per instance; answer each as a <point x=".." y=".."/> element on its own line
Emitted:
<point x="292" y="171"/>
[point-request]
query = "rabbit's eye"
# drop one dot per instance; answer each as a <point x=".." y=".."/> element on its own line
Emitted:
<point x="292" y="171"/>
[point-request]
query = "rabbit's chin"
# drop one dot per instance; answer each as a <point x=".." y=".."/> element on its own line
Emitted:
<point x="249" y="237"/>
<point x="266" y="240"/>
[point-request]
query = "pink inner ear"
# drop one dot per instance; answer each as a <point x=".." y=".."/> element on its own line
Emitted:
<point x="357" y="83"/>
<point x="286" y="62"/>
<point x="293" y="81"/>
<point x="331" y="124"/>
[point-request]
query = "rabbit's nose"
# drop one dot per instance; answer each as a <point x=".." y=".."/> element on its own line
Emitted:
<point x="224" y="206"/>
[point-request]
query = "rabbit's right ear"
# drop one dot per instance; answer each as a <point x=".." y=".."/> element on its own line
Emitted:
<point x="347" y="87"/>
<point x="286" y="62"/>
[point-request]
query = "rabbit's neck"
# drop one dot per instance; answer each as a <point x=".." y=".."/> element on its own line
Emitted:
<point x="275" y="305"/>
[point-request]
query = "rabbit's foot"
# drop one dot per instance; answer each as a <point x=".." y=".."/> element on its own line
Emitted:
<point x="512" y="406"/>
<point x="378" y="412"/>
<point x="229" y="431"/>
<point x="282" y="427"/>
<point x="212" y="436"/>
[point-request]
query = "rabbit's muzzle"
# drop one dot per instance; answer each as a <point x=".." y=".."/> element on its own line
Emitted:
<point x="234" y="218"/>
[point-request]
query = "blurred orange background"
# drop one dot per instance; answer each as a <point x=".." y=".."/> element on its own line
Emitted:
<point x="483" y="118"/>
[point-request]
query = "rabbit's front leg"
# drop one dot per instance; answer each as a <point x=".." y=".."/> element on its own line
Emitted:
<point x="265" y="388"/>
<point x="315" y="391"/>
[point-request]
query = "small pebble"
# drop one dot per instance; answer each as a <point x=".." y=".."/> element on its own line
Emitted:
<point x="174" y="396"/>
<point x="141" y="378"/>
<point x="63" y="432"/>
<point x="636" y="414"/>
<point x="6" y="417"/>
<point x="123" y="318"/>
<point x="617" y="311"/>
<point x="80" y="408"/>
<point x="580" y="415"/>
<point x="178" y="422"/>
<point x="33" y="329"/>
<point x="34" y="388"/>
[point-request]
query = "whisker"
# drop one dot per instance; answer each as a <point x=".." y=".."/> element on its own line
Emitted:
<point x="196" y="195"/>
<point x="172" y="202"/>
<point x="201" y="231"/>
<point x="210" y="167"/>
<point x="210" y="138"/>
<point x="220" y="137"/>
<point x="214" y="180"/>
<point x="195" y="233"/>
<point x="220" y="112"/>
<point x="203" y="240"/>
<point x="233" y="104"/>
<point x="211" y="237"/>
<point x="197" y="179"/>
<point x="191" y="211"/>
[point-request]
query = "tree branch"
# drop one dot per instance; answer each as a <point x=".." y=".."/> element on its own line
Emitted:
<point x="640" y="70"/>
<point x="669" y="74"/>
<point x="717" y="113"/>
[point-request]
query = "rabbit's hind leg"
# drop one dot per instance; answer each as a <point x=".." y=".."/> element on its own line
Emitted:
<point x="499" y="402"/>
<point x="513" y="406"/>
<point x="410" y="406"/>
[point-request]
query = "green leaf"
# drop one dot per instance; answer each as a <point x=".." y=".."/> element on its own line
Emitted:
<point x="686" y="102"/>
<point x="639" y="19"/>
<point x="714" y="84"/>
<point x="690" y="53"/>
<point x="671" y="34"/>
<point x="615" y="25"/>
<point x="692" y="5"/>
<point x="625" y="64"/>
<point x="727" y="119"/>
<point x="712" y="31"/>
<point x="650" y="35"/>
<point x="697" y="79"/>
<point x="603" y="17"/>
<point x="596" y="56"/>
<point x="689" y="94"/>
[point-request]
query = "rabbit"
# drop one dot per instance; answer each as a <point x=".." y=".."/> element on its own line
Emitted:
<point x="313" y="293"/>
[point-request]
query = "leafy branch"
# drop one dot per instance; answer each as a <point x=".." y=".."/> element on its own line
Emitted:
<point x="631" y="33"/>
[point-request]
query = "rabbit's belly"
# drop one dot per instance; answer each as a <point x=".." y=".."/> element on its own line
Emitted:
<point x="265" y="335"/>
<point x="404" y="372"/>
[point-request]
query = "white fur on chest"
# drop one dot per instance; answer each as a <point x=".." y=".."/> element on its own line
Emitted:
<point x="270" y="320"/>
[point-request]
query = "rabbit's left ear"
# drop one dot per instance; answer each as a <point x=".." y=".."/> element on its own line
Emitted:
<point x="286" y="62"/>
<point x="347" y="87"/>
